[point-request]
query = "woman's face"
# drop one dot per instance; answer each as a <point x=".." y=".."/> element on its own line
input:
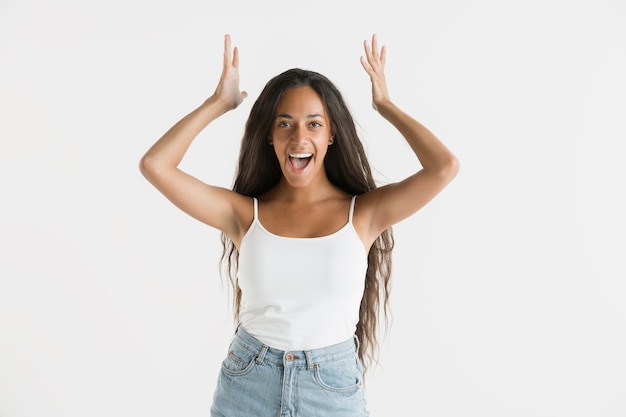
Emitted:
<point x="301" y="134"/>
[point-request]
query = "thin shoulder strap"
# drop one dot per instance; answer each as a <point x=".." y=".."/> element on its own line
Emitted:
<point x="351" y="208"/>
<point x="256" y="208"/>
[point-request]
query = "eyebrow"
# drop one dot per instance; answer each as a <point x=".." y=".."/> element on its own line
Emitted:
<point x="288" y="116"/>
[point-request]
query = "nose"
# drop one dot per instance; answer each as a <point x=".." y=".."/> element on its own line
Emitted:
<point x="299" y="133"/>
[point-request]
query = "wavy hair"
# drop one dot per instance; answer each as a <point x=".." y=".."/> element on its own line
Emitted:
<point x="347" y="168"/>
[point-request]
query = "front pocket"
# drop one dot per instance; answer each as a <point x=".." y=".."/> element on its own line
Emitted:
<point x="340" y="376"/>
<point x="239" y="361"/>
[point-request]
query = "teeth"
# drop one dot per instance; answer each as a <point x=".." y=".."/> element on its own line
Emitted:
<point x="300" y="155"/>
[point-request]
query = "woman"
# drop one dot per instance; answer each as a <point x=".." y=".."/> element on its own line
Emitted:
<point x="306" y="232"/>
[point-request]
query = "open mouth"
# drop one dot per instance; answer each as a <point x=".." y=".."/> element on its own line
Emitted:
<point x="300" y="161"/>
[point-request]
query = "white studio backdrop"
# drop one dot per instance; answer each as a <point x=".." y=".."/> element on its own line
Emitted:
<point x="508" y="289"/>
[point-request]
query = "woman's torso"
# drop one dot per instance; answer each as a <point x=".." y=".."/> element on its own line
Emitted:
<point x="301" y="292"/>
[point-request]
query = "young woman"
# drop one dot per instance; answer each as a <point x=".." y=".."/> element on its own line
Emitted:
<point x="306" y="233"/>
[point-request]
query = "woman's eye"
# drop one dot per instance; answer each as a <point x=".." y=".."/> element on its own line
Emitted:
<point x="316" y="124"/>
<point x="283" y="124"/>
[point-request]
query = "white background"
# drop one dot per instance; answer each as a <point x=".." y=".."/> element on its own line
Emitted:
<point x="508" y="289"/>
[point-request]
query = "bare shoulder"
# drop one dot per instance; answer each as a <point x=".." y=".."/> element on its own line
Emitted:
<point x="378" y="209"/>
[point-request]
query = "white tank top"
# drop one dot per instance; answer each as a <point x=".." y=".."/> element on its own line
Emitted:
<point x="301" y="293"/>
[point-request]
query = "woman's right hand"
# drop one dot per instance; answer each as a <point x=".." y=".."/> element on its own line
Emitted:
<point x="227" y="91"/>
<point x="219" y="207"/>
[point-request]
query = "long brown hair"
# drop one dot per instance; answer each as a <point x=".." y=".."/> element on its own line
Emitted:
<point x="347" y="168"/>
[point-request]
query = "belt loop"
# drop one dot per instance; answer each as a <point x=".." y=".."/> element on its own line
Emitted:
<point x="261" y="355"/>
<point x="309" y="360"/>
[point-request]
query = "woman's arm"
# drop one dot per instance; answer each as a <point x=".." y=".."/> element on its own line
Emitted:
<point x="215" y="206"/>
<point x="392" y="203"/>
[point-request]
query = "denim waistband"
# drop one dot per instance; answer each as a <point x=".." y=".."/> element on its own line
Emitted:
<point x="307" y="358"/>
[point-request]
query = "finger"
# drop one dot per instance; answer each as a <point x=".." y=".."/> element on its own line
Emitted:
<point x="365" y="65"/>
<point x="235" y="57"/>
<point x="375" y="45"/>
<point x="227" y="50"/>
<point x="366" y="48"/>
<point x="371" y="58"/>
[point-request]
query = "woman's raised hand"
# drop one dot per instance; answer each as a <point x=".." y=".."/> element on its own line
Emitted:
<point x="227" y="91"/>
<point x="374" y="64"/>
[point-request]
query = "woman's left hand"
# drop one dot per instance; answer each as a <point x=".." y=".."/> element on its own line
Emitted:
<point x="374" y="64"/>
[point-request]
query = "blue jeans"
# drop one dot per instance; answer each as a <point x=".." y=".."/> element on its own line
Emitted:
<point x="259" y="381"/>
